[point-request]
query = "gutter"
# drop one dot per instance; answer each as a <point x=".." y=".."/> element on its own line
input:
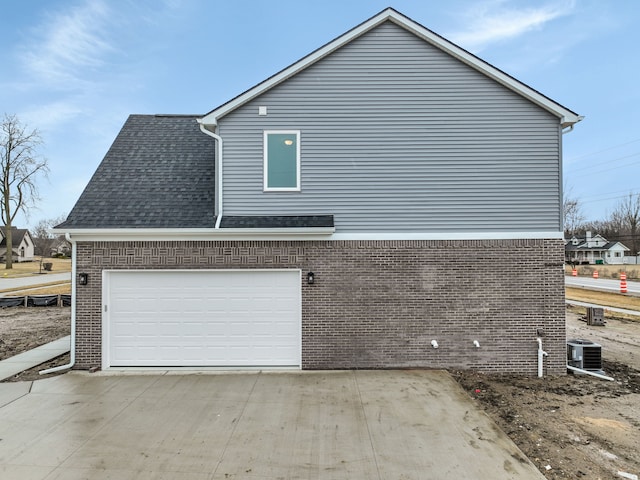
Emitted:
<point x="569" y="128"/>
<point x="218" y="169"/>
<point x="194" y="234"/>
<point x="72" y="357"/>
<point x="308" y="233"/>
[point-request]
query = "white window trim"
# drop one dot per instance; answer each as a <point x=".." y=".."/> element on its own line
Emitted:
<point x="265" y="157"/>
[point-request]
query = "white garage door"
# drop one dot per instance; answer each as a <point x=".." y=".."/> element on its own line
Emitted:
<point x="201" y="318"/>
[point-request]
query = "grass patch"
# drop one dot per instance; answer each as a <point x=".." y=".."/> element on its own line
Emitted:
<point x="64" y="289"/>
<point x="606" y="271"/>
<point x="24" y="269"/>
<point x="603" y="298"/>
<point x="52" y="288"/>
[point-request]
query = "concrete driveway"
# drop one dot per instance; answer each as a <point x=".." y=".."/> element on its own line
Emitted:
<point x="287" y="425"/>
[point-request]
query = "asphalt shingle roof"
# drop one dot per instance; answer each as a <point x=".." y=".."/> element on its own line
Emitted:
<point x="16" y="237"/>
<point x="158" y="173"/>
<point x="583" y="246"/>
<point x="282" y="221"/>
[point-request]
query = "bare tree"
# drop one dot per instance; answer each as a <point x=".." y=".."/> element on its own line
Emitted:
<point x="572" y="215"/>
<point x="609" y="229"/>
<point x="20" y="166"/>
<point x="43" y="240"/>
<point x="627" y="215"/>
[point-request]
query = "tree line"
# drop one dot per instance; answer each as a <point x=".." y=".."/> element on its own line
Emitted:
<point x="621" y="225"/>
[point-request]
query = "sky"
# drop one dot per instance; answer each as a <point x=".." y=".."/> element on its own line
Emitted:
<point x="75" y="70"/>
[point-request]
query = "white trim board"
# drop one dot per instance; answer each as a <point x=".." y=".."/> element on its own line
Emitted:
<point x="265" y="159"/>
<point x="127" y="235"/>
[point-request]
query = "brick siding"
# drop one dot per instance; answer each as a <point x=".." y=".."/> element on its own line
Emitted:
<point x="379" y="304"/>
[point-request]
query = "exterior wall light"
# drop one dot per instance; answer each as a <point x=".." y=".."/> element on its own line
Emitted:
<point x="83" y="278"/>
<point x="311" y="278"/>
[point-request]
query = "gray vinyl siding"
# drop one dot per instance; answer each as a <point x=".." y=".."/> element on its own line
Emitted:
<point x="398" y="136"/>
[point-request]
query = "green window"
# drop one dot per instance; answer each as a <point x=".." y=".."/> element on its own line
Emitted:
<point x="282" y="161"/>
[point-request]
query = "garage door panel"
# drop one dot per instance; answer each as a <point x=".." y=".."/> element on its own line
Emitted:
<point x="203" y="318"/>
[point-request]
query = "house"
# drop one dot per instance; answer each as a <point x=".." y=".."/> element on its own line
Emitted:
<point x="59" y="246"/>
<point x="386" y="194"/>
<point x="594" y="249"/>
<point x="21" y="244"/>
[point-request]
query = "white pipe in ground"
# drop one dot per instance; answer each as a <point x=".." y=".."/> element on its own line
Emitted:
<point x="541" y="355"/>
<point x="587" y="372"/>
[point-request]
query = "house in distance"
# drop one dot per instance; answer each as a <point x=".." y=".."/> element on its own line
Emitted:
<point x="596" y="249"/>
<point x="384" y="195"/>
<point x="22" y="245"/>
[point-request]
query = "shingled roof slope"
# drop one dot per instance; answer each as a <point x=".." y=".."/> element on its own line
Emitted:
<point x="278" y="221"/>
<point x="159" y="173"/>
<point x="16" y="237"/>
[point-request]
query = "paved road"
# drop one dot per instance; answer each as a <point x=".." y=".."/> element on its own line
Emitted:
<point x="33" y="281"/>
<point x="603" y="284"/>
<point x="611" y="309"/>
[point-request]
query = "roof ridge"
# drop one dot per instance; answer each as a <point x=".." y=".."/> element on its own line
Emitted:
<point x="166" y="115"/>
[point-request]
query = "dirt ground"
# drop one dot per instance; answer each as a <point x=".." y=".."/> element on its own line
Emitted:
<point x="571" y="427"/>
<point x="575" y="426"/>
<point x="24" y="328"/>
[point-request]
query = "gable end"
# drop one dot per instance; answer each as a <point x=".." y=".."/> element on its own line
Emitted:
<point x="566" y="117"/>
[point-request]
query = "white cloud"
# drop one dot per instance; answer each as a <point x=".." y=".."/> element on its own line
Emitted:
<point x="69" y="45"/>
<point x="494" y="21"/>
<point x="52" y="115"/>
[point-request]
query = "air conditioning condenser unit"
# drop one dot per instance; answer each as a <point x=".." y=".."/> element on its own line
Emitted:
<point x="584" y="354"/>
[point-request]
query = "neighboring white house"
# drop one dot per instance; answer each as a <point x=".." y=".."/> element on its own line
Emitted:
<point x="594" y="249"/>
<point x="22" y="244"/>
<point x="59" y="246"/>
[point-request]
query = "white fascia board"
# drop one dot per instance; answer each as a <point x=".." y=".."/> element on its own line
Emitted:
<point x="193" y="234"/>
<point x="567" y="117"/>
<point x="626" y="249"/>
<point x="448" y="236"/>
<point x="212" y="117"/>
<point x="288" y="234"/>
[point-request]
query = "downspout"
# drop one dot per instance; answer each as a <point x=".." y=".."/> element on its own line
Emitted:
<point x="569" y="128"/>
<point x="72" y="356"/>
<point x="218" y="170"/>
<point x="541" y="355"/>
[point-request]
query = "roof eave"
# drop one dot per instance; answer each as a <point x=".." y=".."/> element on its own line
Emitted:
<point x="186" y="234"/>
